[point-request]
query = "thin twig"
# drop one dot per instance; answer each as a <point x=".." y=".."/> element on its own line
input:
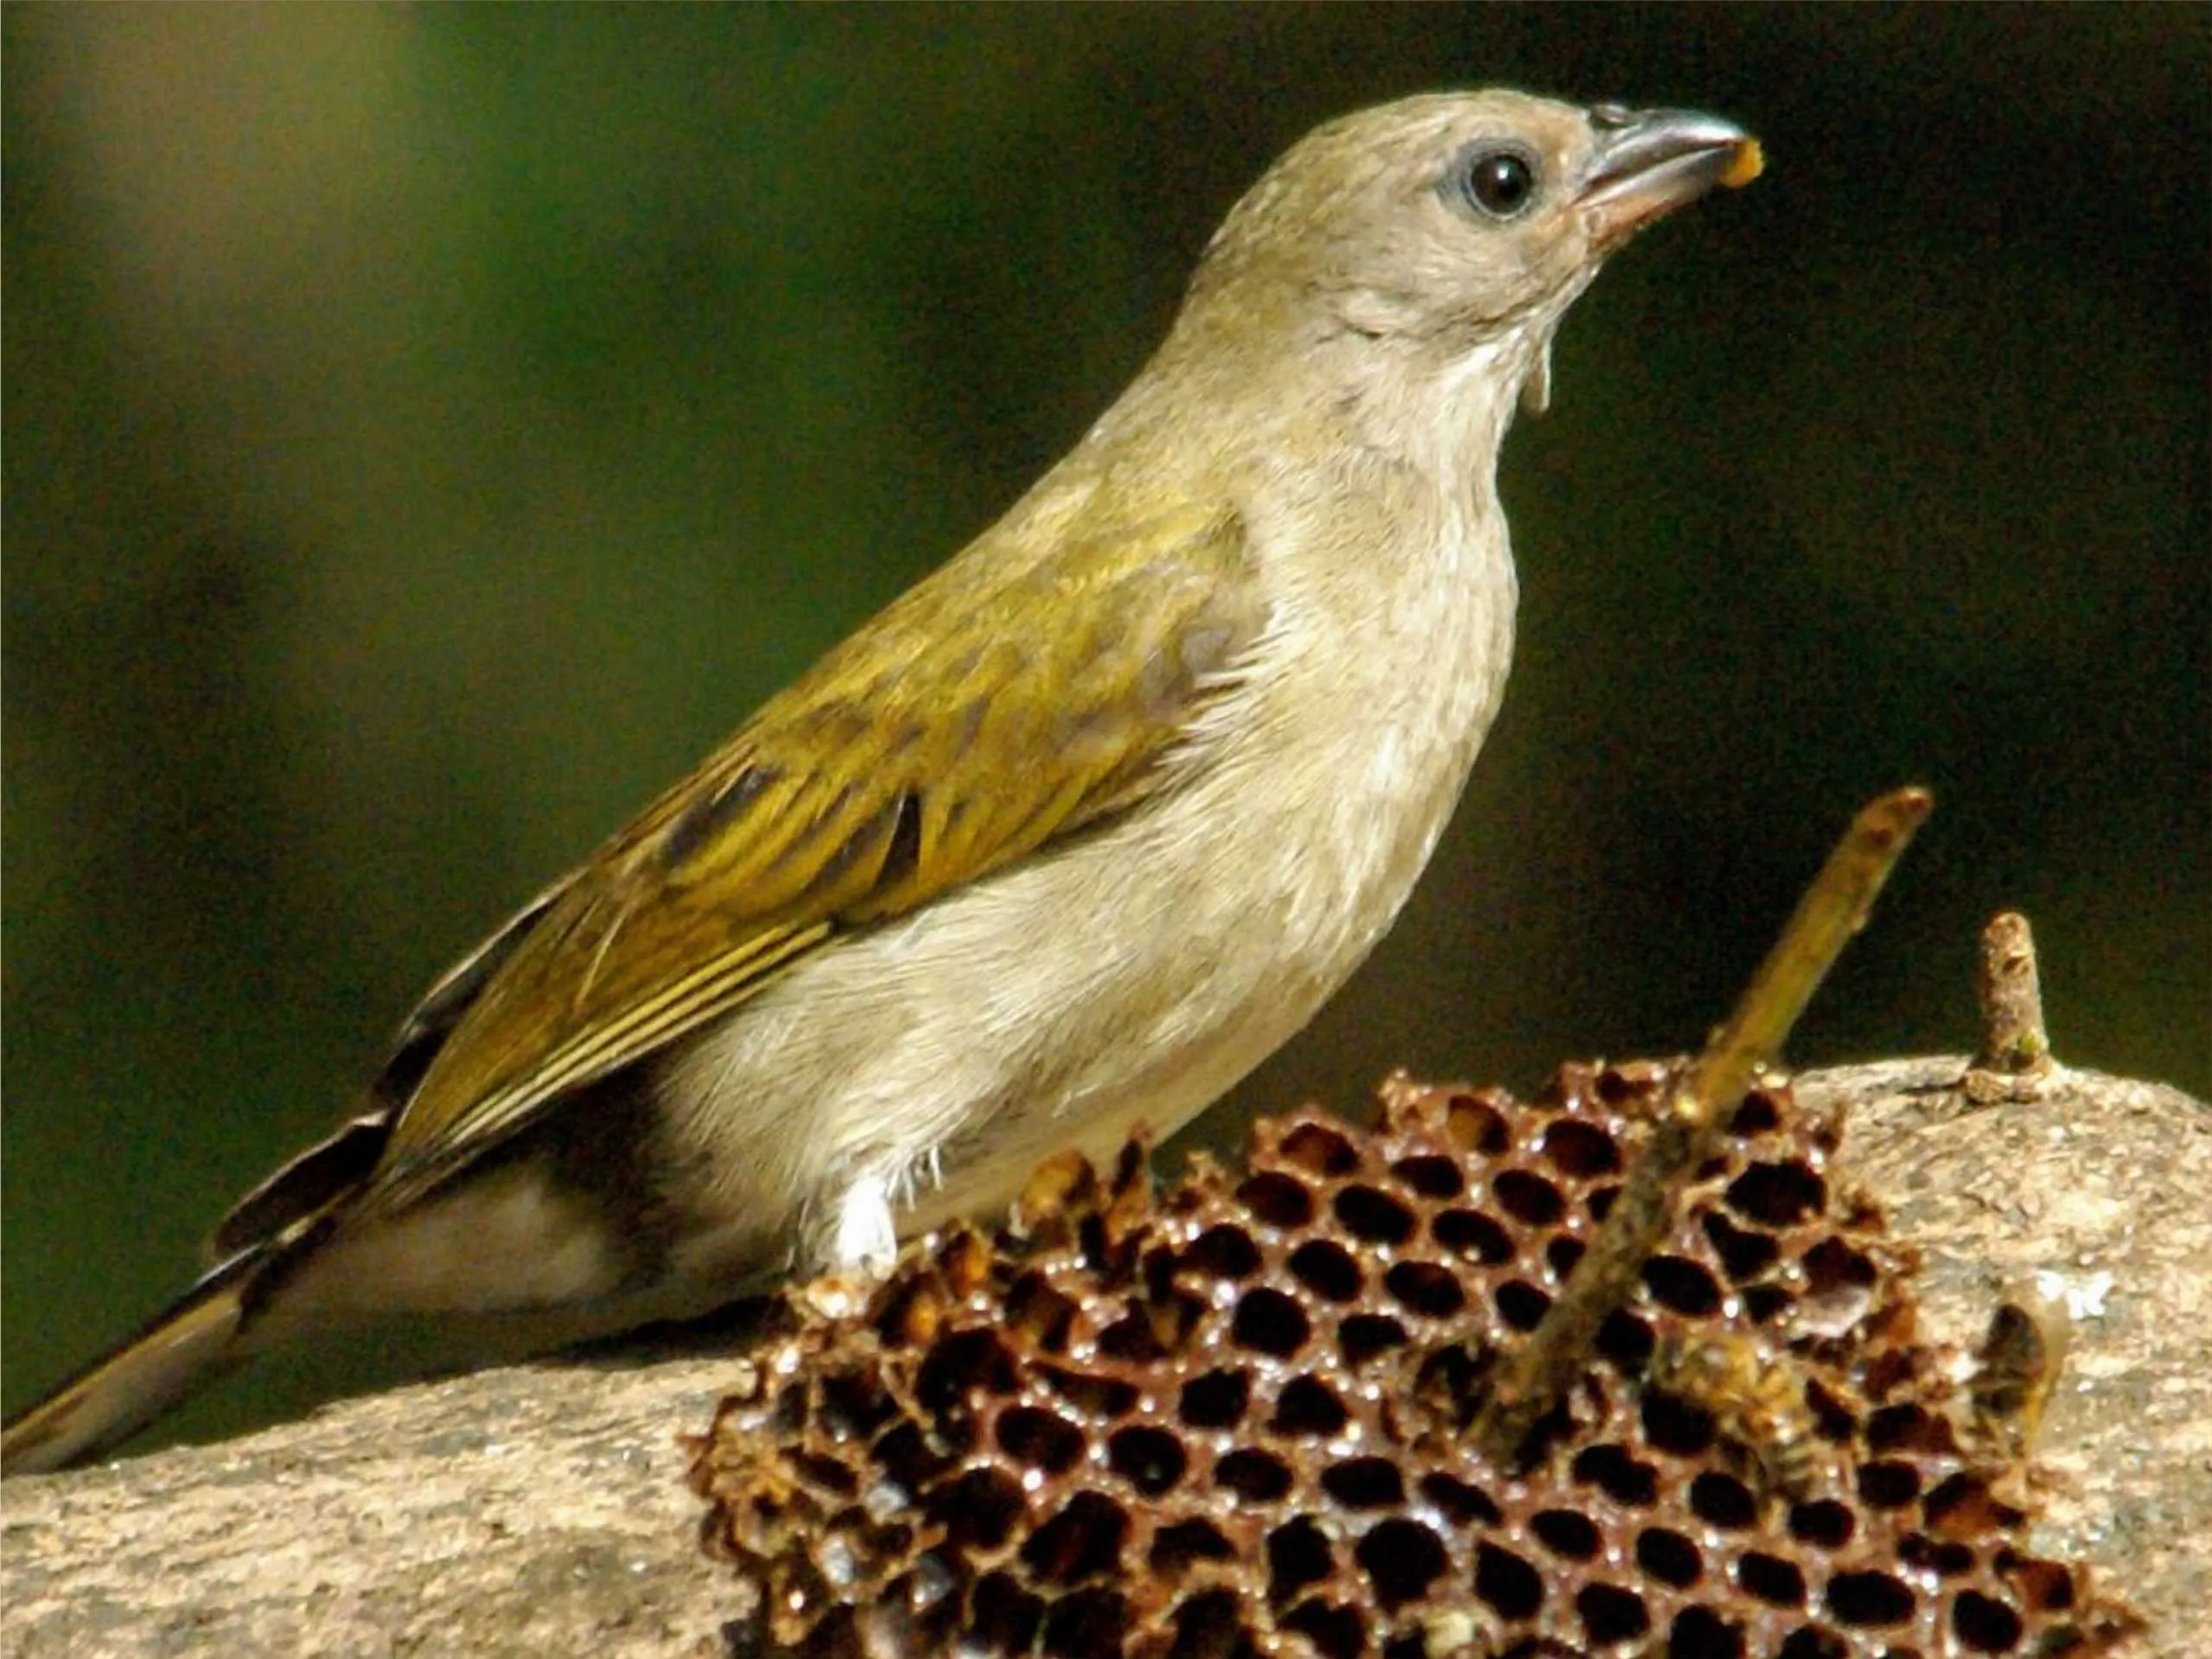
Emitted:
<point x="1536" y="1376"/>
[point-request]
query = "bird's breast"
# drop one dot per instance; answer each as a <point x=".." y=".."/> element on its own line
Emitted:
<point x="1134" y="975"/>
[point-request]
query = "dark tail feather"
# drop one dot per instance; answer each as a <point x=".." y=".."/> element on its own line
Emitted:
<point x="212" y="1326"/>
<point x="194" y="1340"/>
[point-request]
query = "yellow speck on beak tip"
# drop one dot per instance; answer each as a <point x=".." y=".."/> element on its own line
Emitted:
<point x="1748" y="162"/>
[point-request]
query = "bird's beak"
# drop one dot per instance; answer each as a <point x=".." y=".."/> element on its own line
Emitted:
<point x="1647" y="162"/>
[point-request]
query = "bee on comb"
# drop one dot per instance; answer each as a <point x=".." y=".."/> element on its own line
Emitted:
<point x="1755" y="1399"/>
<point x="2017" y="1368"/>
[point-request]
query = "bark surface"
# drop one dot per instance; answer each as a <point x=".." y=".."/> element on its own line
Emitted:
<point x="542" y="1509"/>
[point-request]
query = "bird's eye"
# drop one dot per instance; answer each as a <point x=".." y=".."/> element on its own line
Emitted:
<point x="1496" y="180"/>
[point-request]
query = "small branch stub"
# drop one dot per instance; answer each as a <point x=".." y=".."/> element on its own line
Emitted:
<point x="2015" y="1053"/>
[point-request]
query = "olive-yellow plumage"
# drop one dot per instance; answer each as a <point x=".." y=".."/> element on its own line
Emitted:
<point x="1068" y="838"/>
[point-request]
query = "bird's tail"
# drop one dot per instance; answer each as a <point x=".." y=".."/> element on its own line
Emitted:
<point x="188" y="1343"/>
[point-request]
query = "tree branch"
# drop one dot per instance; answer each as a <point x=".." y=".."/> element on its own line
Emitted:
<point x="542" y="1509"/>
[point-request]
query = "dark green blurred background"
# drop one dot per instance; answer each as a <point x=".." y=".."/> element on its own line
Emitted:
<point x="426" y="432"/>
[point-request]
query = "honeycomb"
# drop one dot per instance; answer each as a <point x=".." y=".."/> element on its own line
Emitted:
<point x="1233" y="1419"/>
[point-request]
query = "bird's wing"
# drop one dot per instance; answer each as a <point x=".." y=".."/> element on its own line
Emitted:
<point x="965" y="727"/>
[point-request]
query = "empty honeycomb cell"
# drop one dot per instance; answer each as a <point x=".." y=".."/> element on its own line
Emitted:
<point x="1474" y="1125"/>
<point x="1336" y="1631"/>
<point x="1432" y="1177"/>
<point x="1576" y="1148"/>
<point x="1984" y="1625"/>
<point x="1635" y="1087"/>
<point x="1270" y="1322"/>
<point x="1039" y="1440"/>
<point x="1225" y="1252"/>
<point x="1210" y="1625"/>
<point x="829" y="1474"/>
<point x="1624" y="1479"/>
<point x="1764" y="1304"/>
<point x="1625" y="1340"/>
<point x="1777" y="1193"/>
<point x="1947" y="1560"/>
<point x="1818" y="1641"/>
<point x="971" y="1360"/>
<point x="854" y="1406"/>
<point x="1509" y="1584"/>
<point x="1832" y="1266"/>
<point x="1744" y="1253"/>
<point x="1461" y="1504"/>
<point x="1401" y="1560"/>
<point x="1756" y="1116"/>
<point x="1610" y="1613"/>
<point x="1666" y="1557"/>
<point x="1424" y="1288"/>
<point x="1150" y="1459"/>
<point x="2043" y="1587"/>
<point x="1297" y="1555"/>
<point x="1364" y="1484"/>
<point x="1372" y="1216"/>
<point x="1278" y="1199"/>
<point x="1081" y="1542"/>
<point x="1178" y="1549"/>
<point x="1089" y="1624"/>
<point x="1320" y="1149"/>
<point x="1770" y="1579"/>
<point x="910" y="1460"/>
<point x="1833" y="1417"/>
<point x="1682" y="1286"/>
<point x="1006" y="1615"/>
<point x="1530" y="1198"/>
<point x="980" y="1508"/>
<point x="1675" y="1426"/>
<point x="1138" y="1338"/>
<point x="1471" y="1233"/>
<point x="1889" y="1484"/>
<point x="1259" y="1476"/>
<point x="1699" y="1633"/>
<point x="1870" y="1600"/>
<point x="1326" y="1268"/>
<point x="1521" y="1304"/>
<point x="1567" y="1533"/>
<point x="1364" y="1336"/>
<point x="1233" y="1421"/>
<point x="1908" y="1427"/>
<point x="1721" y="1500"/>
<point x="1823" y="1524"/>
<point x="1308" y="1409"/>
<point x="1216" y="1400"/>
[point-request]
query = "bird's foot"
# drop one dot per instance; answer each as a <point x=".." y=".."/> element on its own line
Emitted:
<point x="867" y="1241"/>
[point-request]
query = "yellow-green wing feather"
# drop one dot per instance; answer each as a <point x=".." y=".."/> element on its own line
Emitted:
<point x="971" y="723"/>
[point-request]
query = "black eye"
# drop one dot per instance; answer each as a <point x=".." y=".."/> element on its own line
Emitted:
<point x="1498" y="181"/>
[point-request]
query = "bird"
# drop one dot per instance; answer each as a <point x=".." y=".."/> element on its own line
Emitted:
<point x="1062" y="842"/>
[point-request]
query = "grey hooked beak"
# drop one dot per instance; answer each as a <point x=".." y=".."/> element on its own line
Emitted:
<point x="1647" y="162"/>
